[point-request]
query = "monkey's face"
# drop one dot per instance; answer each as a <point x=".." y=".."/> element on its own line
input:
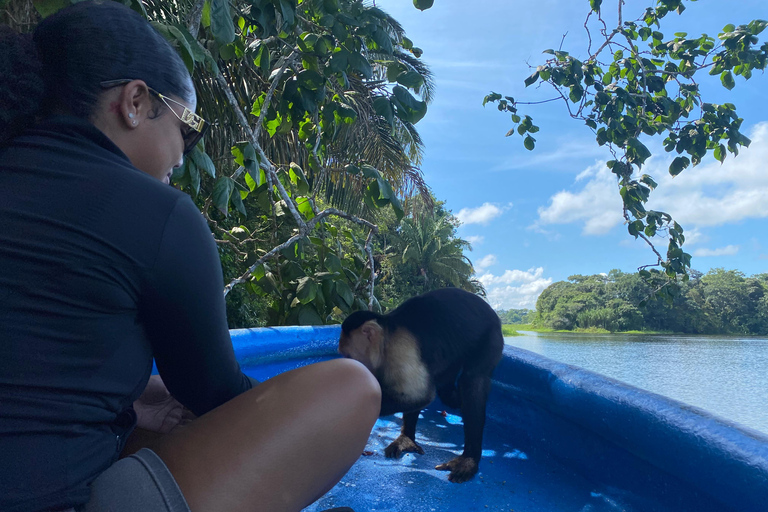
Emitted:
<point x="364" y="344"/>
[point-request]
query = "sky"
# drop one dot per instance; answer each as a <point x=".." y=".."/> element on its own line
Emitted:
<point x="537" y="217"/>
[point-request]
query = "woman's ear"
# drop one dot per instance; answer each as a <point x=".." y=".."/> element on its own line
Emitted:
<point x="134" y="103"/>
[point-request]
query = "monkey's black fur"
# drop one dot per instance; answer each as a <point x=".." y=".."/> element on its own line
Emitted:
<point x="460" y="343"/>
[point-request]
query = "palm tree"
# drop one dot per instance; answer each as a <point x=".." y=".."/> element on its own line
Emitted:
<point x="430" y="243"/>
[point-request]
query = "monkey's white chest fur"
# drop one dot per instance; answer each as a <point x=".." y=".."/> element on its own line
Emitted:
<point x="405" y="373"/>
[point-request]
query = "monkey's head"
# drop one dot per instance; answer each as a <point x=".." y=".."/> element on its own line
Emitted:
<point x="362" y="339"/>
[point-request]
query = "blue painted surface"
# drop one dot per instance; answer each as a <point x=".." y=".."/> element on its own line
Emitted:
<point x="558" y="438"/>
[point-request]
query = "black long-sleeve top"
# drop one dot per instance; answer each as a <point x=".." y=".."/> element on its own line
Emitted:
<point x="102" y="268"/>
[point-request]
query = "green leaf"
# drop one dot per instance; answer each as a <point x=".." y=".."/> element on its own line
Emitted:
<point x="222" y="26"/>
<point x="194" y="177"/>
<point x="250" y="182"/>
<point x="304" y="206"/>
<point x="757" y="26"/>
<point x="408" y="108"/>
<point x="385" y="190"/>
<point x="307" y="290"/>
<point x="288" y="14"/>
<point x="382" y="40"/>
<point x="727" y="79"/>
<point x="373" y="196"/>
<point x="397" y="207"/>
<point x="345" y="294"/>
<point x="532" y="79"/>
<point x="369" y="172"/>
<point x="529" y="143"/>
<point x="308" y="316"/>
<point x="310" y="80"/>
<point x="237" y="202"/>
<point x="678" y="165"/>
<point x="298" y="178"/>
<point x="361" y="64"/>
<point x="273" y="125"/>
<point x="577" y="92"/>
<point x="423" y="5"/>
<point x="222" y="191"/>
<point x="720" y="153"/>
<point x="383" y="107"/>
<point x="203" y="161"/>
<point x="637" y="152"/>
<point x="636" y="227"/>
<point x="197" y="51"/>
<point x="48" y="7"/>
<point x="205" y="19"/>
<point x="332" y="263"/>
<point x="188" y="55"/>
<point x="410" y="79"/>
<point x="262" y="61"/>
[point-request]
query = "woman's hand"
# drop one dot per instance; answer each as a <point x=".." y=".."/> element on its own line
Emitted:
<point x="157" y="411"/>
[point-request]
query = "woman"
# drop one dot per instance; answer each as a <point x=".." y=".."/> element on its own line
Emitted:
<point x="103" y="267"/>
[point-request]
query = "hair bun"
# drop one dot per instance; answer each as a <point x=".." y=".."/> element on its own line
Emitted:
<point x="21" y="84"/>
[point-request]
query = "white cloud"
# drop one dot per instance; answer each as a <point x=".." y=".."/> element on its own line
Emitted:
<point x="709" y="194"/>
<point x="567" y="150"/>
<point x="597" y="205"/>
<point x="515" y="289"/>
<point x="482" y="214"/>
<point x="485" y="262"/>
<point x="474" y="239"/>
<point x="728" y="250"/>
<point x="694" y="236"/>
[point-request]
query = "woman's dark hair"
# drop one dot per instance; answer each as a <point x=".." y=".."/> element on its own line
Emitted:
<point x="61" y="68"/>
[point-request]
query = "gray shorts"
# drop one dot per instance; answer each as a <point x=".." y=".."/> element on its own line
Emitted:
<point x="139" y="482"/>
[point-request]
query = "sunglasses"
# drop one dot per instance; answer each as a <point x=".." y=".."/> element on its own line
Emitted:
<point x="197" y="126"/>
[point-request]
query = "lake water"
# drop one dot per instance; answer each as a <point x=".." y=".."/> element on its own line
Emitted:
<point x="725" y="375"/>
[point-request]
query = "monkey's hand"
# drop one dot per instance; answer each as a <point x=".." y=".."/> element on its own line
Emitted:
<point x="462" y="469"/>
<point x="402" y="445"/>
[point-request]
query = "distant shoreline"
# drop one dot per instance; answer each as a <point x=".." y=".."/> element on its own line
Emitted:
<point x="512" y="330"/>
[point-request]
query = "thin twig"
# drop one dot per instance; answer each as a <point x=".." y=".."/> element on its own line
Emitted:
<point x="268" y="98"/>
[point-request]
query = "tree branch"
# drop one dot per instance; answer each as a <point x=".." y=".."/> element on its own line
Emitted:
<point x="195" y="15"/>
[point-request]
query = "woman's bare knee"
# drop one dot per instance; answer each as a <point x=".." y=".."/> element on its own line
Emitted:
<point x="359" y="388"/>
<point x="316" y="418"/>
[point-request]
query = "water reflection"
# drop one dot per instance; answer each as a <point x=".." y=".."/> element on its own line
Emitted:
<point x="724" y="375"/>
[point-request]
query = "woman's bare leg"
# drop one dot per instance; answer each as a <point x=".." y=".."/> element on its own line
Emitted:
<point x="278" y="447"/>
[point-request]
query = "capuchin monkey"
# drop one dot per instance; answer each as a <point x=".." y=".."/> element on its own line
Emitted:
<point x="447" y="342"/>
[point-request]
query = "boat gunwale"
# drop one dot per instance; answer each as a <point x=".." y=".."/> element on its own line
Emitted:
<point x="720" y="458"/>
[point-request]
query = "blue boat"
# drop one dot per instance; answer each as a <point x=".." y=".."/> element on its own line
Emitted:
<point x="557" y="438"/>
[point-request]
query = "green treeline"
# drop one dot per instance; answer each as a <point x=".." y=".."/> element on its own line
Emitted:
<point x="516" y="316"/>
<point x="718" y="302"/>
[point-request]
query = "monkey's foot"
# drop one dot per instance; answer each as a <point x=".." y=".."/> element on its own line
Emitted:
<point x="402" y="445"/>
<point x="462" y="469"/>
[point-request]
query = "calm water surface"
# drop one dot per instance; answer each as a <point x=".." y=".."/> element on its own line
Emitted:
<point x="727" y="376"/>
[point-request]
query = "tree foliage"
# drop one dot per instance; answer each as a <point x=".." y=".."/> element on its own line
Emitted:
<point x="421" y="253"/>
<point x="718" y="302"/>
<point x="516" y="316"/>
<point x="639" y="83"/>
<point x="314" y="104"/>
